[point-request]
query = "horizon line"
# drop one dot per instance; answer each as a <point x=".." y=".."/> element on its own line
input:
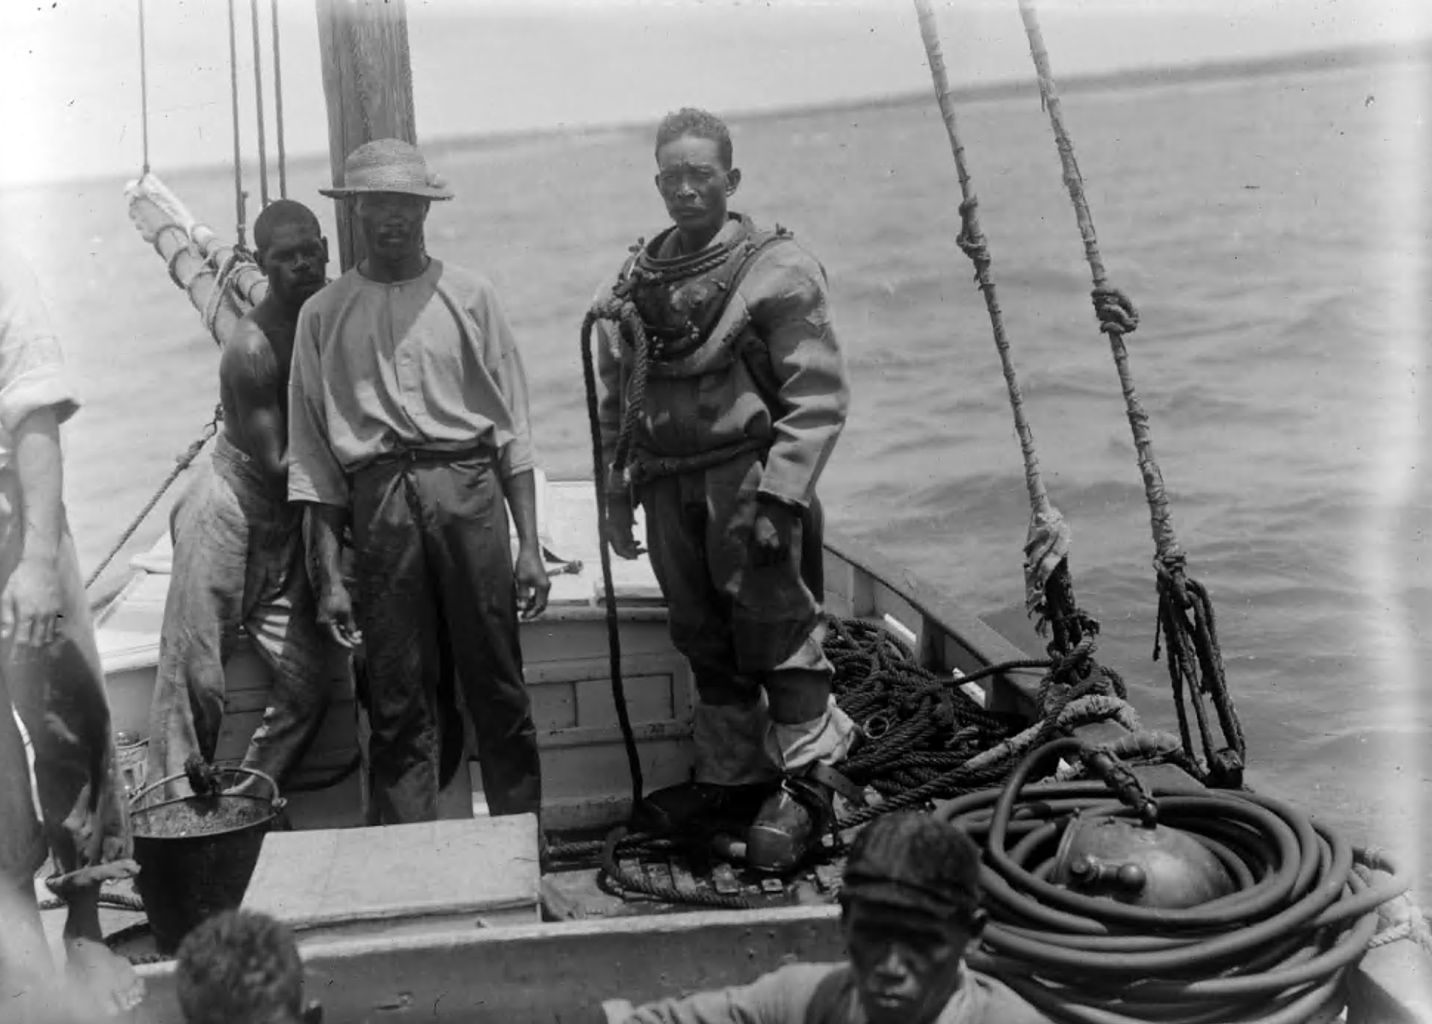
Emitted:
<point x="1313" y="61"/>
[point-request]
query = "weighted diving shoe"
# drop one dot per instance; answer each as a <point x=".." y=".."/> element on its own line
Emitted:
<point x="704" y="803"/>
<point x="790" y="822"/>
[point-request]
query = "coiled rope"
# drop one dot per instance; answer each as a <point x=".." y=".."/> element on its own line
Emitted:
<point x="1185" y="615"/>
<point x="1272" y="952"/>
<point x="927" y="740"/>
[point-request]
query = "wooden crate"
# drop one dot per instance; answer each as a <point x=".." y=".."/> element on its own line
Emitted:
<point x="425" y="878"/>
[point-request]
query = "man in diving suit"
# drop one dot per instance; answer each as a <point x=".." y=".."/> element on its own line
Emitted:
<point x="722" y="396"/>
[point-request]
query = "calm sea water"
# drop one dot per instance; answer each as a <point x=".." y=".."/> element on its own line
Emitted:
<point x="1268" y="228"/>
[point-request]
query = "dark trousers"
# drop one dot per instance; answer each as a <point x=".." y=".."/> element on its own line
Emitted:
<point x="437" y="601"/>
<point x="740" y="625"/>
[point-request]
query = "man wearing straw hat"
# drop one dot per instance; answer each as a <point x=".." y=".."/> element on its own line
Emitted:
<point x="408" y="425"/>
<point x="50" y="675"/>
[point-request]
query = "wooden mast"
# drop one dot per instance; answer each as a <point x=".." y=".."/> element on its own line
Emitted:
<point x="368" y="88"/>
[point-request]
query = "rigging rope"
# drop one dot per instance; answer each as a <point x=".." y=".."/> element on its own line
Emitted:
<point x="1185" y="615"/>
<point x="278" y="103"/>
<point x="1050" y="589"/>
<point x="259" y="102"/>
<point x="143" y="90"/>
<point x="239" y="193"/>
<point x="181" y="463"/>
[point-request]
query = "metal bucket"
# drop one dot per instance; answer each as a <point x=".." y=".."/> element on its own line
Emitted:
<point x="197" y="854"/>
<point x="130" y="753"/>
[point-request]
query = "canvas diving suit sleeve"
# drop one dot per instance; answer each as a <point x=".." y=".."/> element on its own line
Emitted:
<point x="610" y="385"/>
<point x="314" y="473"/>
<point x="780" y="997"/>
<point x="32" y="367"/>
<point x="790" y="311"/>
<point x="504" y="362"/>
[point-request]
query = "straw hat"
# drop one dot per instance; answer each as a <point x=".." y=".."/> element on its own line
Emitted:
<point x="388" y="165"/>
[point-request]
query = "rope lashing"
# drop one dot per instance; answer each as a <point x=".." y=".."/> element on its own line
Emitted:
<point x="181" y="463"/>
<point x="1185" y="614"/>
<point x="220" y="294"/>
<point x="1115" y="310"/>
<point x="971" y="241"/>
<point x="1049" y="588"/>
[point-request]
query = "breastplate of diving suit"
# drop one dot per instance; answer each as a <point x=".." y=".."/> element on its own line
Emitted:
<point x="681" y="301"/>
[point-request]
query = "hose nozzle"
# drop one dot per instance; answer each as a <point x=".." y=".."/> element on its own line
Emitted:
<point x="1125" y="784"/>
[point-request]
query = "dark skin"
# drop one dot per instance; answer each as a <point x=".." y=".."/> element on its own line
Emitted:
<point x="906" y="962"/>
<point x="695" y="183"/>
<point x="392" y="228"/>
<point x="254" y="367"/>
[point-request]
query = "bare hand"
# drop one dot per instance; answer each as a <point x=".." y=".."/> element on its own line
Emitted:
<point x="335" y="613"/>
<point x="533" y="585"/>
<point x="30" y="604"/>
<point x="618" y="529"/>
<point x="771" y="534"/>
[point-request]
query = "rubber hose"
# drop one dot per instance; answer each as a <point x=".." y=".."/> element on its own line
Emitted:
<point x="1272" y="952"/>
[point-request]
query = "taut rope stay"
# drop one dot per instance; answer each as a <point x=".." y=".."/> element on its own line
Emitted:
<point x="1185" y="614"/>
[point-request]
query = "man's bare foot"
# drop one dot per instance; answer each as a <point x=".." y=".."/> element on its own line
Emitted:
<point x="107" y="977"/>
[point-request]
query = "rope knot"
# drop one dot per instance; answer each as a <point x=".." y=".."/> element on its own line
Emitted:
<point x="1115" y="310"/>
<point x="970" y="240"/>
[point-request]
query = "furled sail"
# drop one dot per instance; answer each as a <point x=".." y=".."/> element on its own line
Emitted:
<point x="222" y="280"/>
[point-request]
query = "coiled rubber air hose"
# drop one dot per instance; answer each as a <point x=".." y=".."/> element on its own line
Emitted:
<point x="1272" y="952"/>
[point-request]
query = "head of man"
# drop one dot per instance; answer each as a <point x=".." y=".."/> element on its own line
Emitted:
<point x="240" y="967"/>
<point x="694" y="172"/>
<point x="391" y="188"/>
<point x="290" y="248"/>
<point x="392" y="225"/>
<point x="910" y="909"/>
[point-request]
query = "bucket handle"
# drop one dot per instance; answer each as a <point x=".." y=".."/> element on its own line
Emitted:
<point x="276" y="802"/>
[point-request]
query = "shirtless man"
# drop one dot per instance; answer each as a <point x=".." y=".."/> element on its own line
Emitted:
<point x="238" y="544"/>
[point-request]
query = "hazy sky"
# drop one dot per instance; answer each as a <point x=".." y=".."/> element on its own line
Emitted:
<point x="70" y="87"/>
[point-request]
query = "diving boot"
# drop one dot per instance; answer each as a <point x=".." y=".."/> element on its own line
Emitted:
<point x="790" y="822"/>
<point x="700" y="803"/>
